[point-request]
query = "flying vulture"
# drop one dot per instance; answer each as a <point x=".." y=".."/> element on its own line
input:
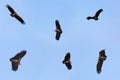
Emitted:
<point x="67" y="61"/>
<point x="95" y="17"/>
<point x="15" y="61"/>
<point x="101" y="58"/>
<point x="58" y="30"/>
<point x="14" y="14"/>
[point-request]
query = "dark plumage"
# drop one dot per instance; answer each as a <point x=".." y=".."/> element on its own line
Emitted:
<point x="15" y="61"/>
<point x="101" y="58"/>
<point x="14" y="14"/>
<point x="58" y="30"/>
<point x="67" y="61"/>
<point x="95" y="17"/>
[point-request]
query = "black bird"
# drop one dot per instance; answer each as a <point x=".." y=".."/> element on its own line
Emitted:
<point x="58" y="30"/>
<point x="95" y="17"/>
<point x="14" y="14"/>
<point x="67" y="61"/>
<point x="15" y="61"/>
<point x="101" y="58"/>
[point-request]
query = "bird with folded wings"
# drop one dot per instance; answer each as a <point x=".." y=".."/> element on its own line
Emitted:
<point x="102" y="57"/>
<point x="14" y="14"/>
<point x="67" y="61"/>
<point x="15" y="61"/>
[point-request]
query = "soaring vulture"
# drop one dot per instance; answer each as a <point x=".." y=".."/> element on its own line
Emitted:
<point x="58" y="30"/>
<point x="14" y="14"/>
<point x="95" y="17"/>
<point x="15" y="61"/>
<point x="67" y="61"/>
<point x="101" y="58"/>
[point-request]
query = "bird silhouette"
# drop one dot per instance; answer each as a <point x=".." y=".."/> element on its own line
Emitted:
<point x="95" y="17"/>
<point x="15" y="61"/>
<point x="58" y="30"/>
<point x="67" y="61"/>
<point x="102" y="57"/>
<point x="14" y="14"/>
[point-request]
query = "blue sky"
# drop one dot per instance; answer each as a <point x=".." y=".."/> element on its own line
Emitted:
<point x="82" y="38"/>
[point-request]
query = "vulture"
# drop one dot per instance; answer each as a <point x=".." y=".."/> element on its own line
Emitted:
<point x="14" y="14"/>
<point x="67" y="61"/>
<point x="58" y="30"/>
<point x="95" y="17"/>
<point x="101" y="58"/>
<point x="15" y="61"/>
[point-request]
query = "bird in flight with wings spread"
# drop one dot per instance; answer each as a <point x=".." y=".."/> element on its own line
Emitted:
<point x="14" y="14"/>
<point x="95" y="17"/>
<point x="15" y="61"/>
<point x="67" y="61"/>
<point x="58" y="30"/>
<point x="102" y="57"/>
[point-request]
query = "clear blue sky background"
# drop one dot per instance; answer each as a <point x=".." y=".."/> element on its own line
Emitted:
<point x="82" y="38"/>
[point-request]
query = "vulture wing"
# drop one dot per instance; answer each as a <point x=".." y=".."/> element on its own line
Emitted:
<point x="89" y="17"/>
<point x="99" y="66"/>
<point x="98" y="12"/>
<point x="102" y="54"/>
<point x="20" y="19"/>
<point x="14" y="66"/>
<point x="10" y="9"/>
<point x="58" y="34"/>
<point x="20" y="54"/>
<point x="68" y="65"/>
<point x="58" y="27"/>
<point x="67" y="57"/>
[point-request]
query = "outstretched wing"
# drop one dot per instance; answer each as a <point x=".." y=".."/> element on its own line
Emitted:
<point x="67" y="57"/>
<point x="58" y="27"/>
<point x="14" y="66"/>
<point x="20" y="55"/>
<point x="98" y="12"/>
<point x="99" y="66"/>
<point x="19" y="19"/>
<point x="10" y="9"/>
<point x="102" y="53"/>
<point x="68" y="65"/>
<point x="58" y="34"/>
<point x="89" y="17"/>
